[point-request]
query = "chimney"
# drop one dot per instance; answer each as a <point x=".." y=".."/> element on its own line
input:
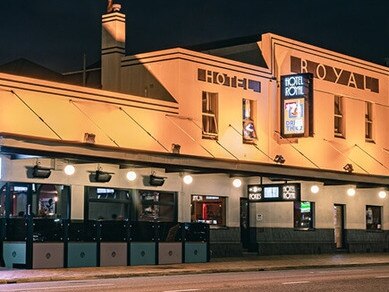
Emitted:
<point x="112" y="46"/>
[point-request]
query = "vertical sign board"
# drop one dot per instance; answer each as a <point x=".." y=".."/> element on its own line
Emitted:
<point x="297" y="105"/>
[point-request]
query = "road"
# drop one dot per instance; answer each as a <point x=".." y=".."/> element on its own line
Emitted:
<point x="374" y="278"/>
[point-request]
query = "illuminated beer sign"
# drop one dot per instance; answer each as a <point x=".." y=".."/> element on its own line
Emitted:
<point x="297" y="105"/>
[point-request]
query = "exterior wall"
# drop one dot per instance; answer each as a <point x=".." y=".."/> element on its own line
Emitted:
<point x="335" y="74"/>
<point x="167" y="109"/>
<point x="275" y="232"/>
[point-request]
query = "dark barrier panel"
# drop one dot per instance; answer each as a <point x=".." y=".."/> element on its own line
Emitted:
<point x="15" y="245"/>
<point x="113" y="242"/>
<point x="81" y="244"/>
<point x="51" y="230"/>
<point x="48" y="246"/>
<point x="196" y="246"/>
<point x="142" y="247"/>
<point x="169" y="237"/>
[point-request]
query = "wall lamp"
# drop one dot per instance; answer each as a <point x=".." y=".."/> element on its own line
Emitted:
<point x="279" y="159"/>
<point x="100" y="176"/>
<point x="156" y="180"/>
<point x="40" y="172"/>
<point x="348" y="167"/>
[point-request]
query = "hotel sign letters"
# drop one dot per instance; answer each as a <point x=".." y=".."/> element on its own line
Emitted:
<point x="227" y="80"/>
<point x="297" y="105"/>
<point x="333" y="74"/>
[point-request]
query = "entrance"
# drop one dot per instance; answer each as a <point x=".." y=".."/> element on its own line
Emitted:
<point x="339" y="226"/>
<point x="244" y="223"/>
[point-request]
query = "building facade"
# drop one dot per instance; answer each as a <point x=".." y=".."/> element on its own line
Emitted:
<point x="278" y="145"/>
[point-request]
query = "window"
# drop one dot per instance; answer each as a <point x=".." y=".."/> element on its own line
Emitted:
<point x="209" y="113"/>
<point x="50" y="200"/>
<point x="208" y="209"/>
<point x="373" y="217"/>
<point x="303" y="215"/>
<point x="108" y="204"/>
<point x="249" y="134"/>
<point x="157" y="206"/>
<point x="338" y="117"/>
<point x="368" y="121"/>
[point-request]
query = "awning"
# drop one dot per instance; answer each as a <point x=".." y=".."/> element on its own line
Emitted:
<point x="11" y="144"/>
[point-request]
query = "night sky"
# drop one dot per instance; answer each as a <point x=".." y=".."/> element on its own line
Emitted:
<point x="56" y="33"/>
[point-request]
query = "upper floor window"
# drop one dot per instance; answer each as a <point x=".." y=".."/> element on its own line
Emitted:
<point x="368" y="121"/>
<point x="210" y="115"/>
<point x="249" y="134"/>
<point x="338" y="116"/>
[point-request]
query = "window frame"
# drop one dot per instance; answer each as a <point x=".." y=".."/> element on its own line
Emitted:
<point x="209" y="115"/>
<point x="375" y="209"/>
<point x="369" y="116"/>
<point x="250" y="119"/>
<point x="339" y="116"/>
<point x="221" y="199"/>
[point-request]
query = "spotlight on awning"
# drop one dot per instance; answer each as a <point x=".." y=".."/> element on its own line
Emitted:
<point x="176" y="148"/>
<point x="40" y="172"/>
<point x="279" y="159"/>
<point x="348" y="167"/>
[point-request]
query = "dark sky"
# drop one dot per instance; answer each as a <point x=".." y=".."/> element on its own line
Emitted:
<point x="55" y="33"/>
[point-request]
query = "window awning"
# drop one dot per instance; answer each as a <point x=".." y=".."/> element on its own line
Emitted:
<point x="11" y="144"/>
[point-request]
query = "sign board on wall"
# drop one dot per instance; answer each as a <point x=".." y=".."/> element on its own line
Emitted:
<point x="274" y="192"/>
<point x="297" y="105"/>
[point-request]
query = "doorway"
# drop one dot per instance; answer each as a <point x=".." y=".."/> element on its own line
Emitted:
<point x="339" y="226"/>
<point x="244" y="223"/>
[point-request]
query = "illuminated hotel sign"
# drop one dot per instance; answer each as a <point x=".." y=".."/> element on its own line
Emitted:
<point x="227" y="80"/>
<point x="297" y="105"/>
<point x="274" y="192"/>
<point x="333" y="74"/>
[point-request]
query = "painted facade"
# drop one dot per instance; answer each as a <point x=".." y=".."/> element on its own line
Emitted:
<point x="153" y="101"/>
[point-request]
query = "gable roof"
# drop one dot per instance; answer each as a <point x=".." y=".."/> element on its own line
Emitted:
<point x="25" y="67"/>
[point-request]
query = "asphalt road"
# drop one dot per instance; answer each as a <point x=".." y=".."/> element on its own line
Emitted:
<point x="375" y="278"/>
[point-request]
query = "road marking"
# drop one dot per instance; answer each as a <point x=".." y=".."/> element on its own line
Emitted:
<point x="297" y="282"/>
<point x="57" y="287"/>
<point x="382" y="277"/>
<point x="184" y="290"/>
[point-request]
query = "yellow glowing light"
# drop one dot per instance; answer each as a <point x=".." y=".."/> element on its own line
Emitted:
<point x="188" y="179"/>
<point x="382" y="194"/>
<point x="315" y="189"/>
<point x="69" y="169"/>
<point x="237" y="183"/>
<point x="351" y="192"/>
<point x="131" y="175"/>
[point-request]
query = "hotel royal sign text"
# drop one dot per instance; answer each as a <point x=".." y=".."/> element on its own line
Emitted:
<point x="297" y="105"/>
<point x="333" y="74"/>
<point x="227" y="80"/>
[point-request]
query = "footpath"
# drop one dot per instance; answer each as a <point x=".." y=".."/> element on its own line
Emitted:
<point x="217" y="265"/>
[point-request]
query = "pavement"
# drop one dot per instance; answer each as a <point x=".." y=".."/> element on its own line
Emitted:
<point x="217" y="265"/>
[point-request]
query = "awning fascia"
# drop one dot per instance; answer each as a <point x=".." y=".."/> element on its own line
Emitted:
<point x="50" y="148"/>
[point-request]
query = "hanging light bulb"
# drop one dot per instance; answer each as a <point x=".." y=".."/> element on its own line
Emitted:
<point x="237" y="183"/>
<point x="69" y="169"/>
<point x="382" y="194"/>
<point x="131" y="175"/>
<point x="315" y="189"/>
<point x="188" y="179"/>
<point x="351" y="192"/>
